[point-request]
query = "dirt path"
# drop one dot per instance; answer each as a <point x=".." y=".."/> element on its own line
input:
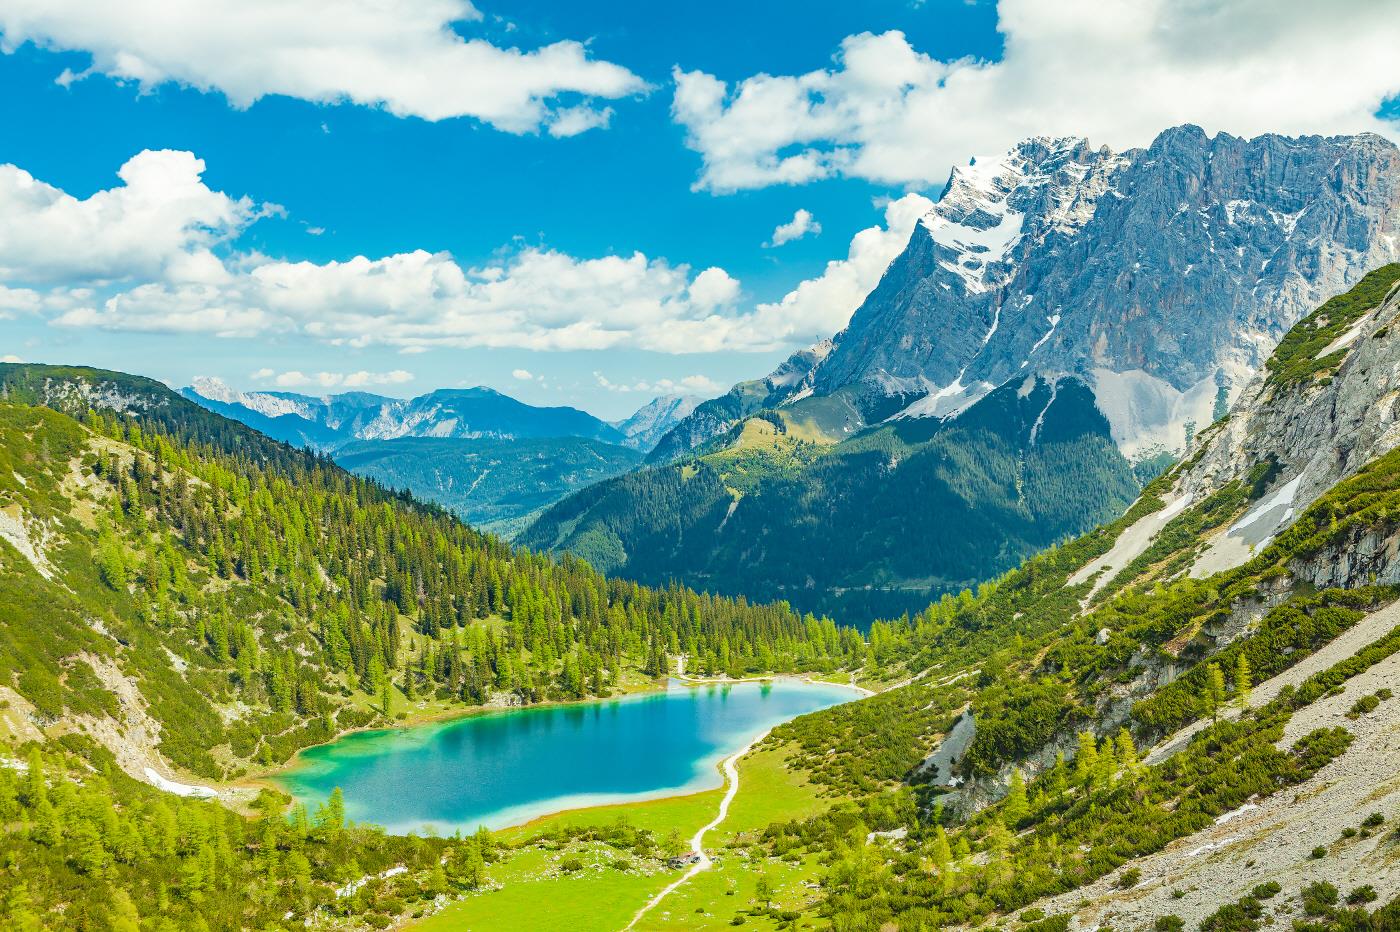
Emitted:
<point x="697" y="843"/>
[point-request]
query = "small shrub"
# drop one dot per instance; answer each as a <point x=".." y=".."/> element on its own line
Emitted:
<point x="1129" y="878"/>
<point x="1319" y="853"/>
<point x="1169" y="923"/>
<point x="1319" y="898"/>
<point x="1363" y="705"/>
<point x="1266" y="891"/>
<point x="1362" y="894"/>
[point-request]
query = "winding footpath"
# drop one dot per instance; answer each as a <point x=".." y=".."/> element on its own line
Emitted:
<point x="731" y="774"/>
<point x="697" y="846"/>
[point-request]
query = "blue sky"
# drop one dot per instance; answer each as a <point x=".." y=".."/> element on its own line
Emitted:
<point x="840" y="116"/>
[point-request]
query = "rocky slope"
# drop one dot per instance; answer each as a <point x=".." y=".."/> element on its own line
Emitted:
<point x="1337" y="379"/>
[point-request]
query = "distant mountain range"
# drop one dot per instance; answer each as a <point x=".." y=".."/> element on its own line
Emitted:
<point x="1132" y="294"/>
<point x="492" y="459"/>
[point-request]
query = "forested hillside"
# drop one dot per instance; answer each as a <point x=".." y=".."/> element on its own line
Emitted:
<point x="874" y="526"/>
<point x="180" y="593"/>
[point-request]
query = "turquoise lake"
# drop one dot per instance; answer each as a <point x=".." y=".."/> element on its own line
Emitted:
<point x="504" y="768"/>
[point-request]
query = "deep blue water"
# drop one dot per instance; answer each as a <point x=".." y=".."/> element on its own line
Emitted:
<point x="507" y="767"/>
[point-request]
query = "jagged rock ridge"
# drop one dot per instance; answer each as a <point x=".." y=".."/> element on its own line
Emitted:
<point x="1163" y="277"/>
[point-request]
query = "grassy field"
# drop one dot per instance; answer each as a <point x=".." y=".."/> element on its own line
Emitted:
<point x="681" y="813"/>
<point x="534" y="895"/>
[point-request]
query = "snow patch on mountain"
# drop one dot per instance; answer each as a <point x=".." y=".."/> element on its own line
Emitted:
<point x="1146" y="415"/>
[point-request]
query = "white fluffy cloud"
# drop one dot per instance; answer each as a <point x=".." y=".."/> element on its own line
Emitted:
<point x="159" y="255"/>
<point x="801" y="224"/>
<point x="402" y="55"/>
<point x="686" y="385"/>
<point x="18" y="301"/>
<point x="361" y="379"/>
<point x="823" y="305"/>
<point x="1116" y="71"/>
<point x="161" y="221"/>
<point x="522" y="375"/>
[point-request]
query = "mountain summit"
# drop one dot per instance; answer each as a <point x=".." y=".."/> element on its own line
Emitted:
<point x="1160" y="277"/>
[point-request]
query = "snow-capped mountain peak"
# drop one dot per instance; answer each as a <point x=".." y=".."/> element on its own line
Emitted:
<point x="1162" y="276"/>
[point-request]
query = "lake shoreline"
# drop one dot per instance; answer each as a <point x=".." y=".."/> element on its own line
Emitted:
<point x="263" y="778"/>
<point x="300" y="773"/>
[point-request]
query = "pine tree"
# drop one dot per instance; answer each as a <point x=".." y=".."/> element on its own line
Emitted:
<point x="1127" y="752"/>
<point x="1087" y="758"/>
<point x="941" y="853"/>
<point x="1015" y="808"/>
<point x="1215" y="690"/>
<point x="1242" y="681"/>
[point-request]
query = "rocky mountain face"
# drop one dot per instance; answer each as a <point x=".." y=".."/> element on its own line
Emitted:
<point x="1325" y="406"/>
<point x="653" y="420"/>
<point x="1161" y="277"/>
<point x="329" y="421"/>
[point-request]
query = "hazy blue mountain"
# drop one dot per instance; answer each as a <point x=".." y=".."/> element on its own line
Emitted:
<point x="338" y="419"/>
<point x="654" y="420"/>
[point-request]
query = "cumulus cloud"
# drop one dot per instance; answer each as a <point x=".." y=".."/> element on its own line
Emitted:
<point x="522" y="375"/>
<point x="361" y="379"/>
<point x="401" y="55"/>
<point x="1115" y="71"/>
<point x="131" y="266"/>
<point x="161" y="221"/>
<point x="801" y="224"/>
<point x="687" y="385"/>
<point x="18" y="301"/>
<point x="10" y="357"/>
<point x="823" y="305"/>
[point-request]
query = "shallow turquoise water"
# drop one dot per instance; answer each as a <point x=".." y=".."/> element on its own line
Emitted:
<point x="507" y="767"/>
